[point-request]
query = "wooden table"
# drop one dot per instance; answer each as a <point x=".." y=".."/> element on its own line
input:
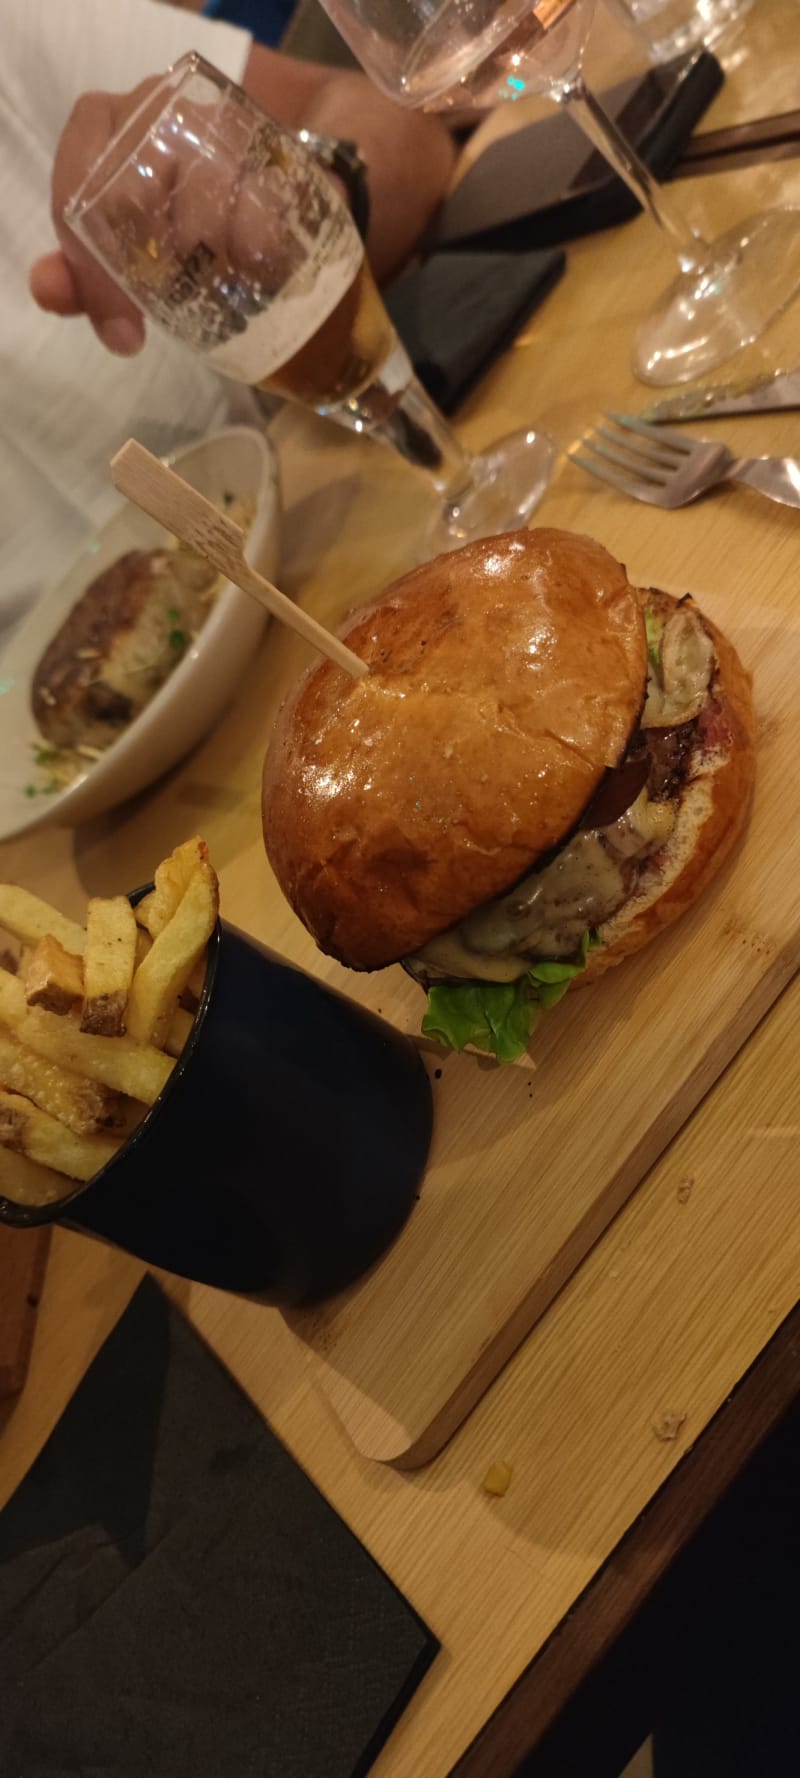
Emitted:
<point x="687" y="1291"/>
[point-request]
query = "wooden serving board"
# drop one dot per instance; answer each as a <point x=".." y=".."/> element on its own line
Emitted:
<point x="23" y="1257"/>
<point x="530" y="1164"/>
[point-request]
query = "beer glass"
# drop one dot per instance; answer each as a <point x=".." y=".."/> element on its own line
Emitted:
<point x="224" y="230"/>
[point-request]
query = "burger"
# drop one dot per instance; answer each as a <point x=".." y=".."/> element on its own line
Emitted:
<point x="544" y="766"/>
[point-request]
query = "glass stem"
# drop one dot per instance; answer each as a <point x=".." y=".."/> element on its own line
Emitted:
<point x="603" y="133"/>
<point x="396" y="410"/>
<point x="418" y="431"/>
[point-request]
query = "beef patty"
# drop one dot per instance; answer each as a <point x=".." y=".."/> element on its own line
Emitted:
<point x="118" y="645"/>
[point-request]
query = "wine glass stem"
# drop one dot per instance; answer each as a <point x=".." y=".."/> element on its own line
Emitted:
<point x="603" y="133"/>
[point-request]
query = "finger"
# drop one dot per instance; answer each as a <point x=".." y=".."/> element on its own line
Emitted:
<point x="53" y="286"/>
<point x="115" y="319"/>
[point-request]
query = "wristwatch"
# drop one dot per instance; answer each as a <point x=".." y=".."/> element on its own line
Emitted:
<point x="345" y="160"/>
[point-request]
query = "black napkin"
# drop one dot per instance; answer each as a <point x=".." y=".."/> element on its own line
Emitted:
<point x="459" y="311"/>
<point x="542" y="184"/>
<point x="176" y="1598"/>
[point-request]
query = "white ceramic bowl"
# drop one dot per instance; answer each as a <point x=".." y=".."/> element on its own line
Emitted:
<point x="236" y="460"/>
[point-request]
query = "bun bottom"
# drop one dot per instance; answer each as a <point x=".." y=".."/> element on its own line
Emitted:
<point x="711" y="816"/>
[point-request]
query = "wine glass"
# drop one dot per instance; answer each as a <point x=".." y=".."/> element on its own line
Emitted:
<point x="225" y="231"/>
<point x="670" y="28"/>
<point x="445" y="53"/>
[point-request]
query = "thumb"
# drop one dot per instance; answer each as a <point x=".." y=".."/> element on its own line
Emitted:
<point x="118" y="323"/>
<point x="56" y="288"/>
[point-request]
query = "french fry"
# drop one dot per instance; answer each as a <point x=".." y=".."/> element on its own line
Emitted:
<point x="179" y="1031"/>
<point x="108" y="965"/>
<point x="53" y="977"/>
<point x="137" y="1069"/>
<point x="28" y="918"/>
<point x="144" y="913"/>
<point x="144" y="943"/>
<point x="43" y="1139"/>
<point x="26" y="1182"/>
<point x="13" y="1005"/>
<point x="92" y="1019"/>
<point x="177" y="949"/>
<point x="190" y="998"/>
<point x="81" y="1104"/>
<point x="125" y="1066"/>
<point x="172" y="880"/>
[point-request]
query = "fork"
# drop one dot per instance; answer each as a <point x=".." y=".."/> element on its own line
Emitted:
<point x="667" y="468"/>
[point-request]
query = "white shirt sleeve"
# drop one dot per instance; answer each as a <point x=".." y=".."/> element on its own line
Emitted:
<point x="65" y="403"/>
<point x="52" y="54"/>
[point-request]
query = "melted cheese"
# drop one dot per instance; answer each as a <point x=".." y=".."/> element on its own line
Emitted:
<point x="450" y="957"/>
<point x="547" y="914"/>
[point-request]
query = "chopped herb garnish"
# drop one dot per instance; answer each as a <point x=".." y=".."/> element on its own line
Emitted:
<point x="228" y="499"/>
<point x="44" y="756"/>
<point x="173" y="614"/>
<point x="178" y="640"/>
<point x="47" y="789"/>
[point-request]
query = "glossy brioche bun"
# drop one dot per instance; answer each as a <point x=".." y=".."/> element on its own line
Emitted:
<point x="713" y="810"/>
<point x="505" y="678"/>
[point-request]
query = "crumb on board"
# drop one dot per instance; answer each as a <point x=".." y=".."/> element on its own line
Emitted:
<point x="685" y="1189"/>
<point x="497" y="1479"/>
<point x="670" y="1425"/>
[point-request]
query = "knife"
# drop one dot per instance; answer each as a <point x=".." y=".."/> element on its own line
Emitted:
<point x="762" y="395"/>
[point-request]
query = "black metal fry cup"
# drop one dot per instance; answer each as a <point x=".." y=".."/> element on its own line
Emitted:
<point x="284" y="1153"/>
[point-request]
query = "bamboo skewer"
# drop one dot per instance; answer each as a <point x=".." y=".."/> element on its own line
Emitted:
<point x="163" y="494"/>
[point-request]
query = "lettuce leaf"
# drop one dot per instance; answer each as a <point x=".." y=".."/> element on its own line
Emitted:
<point x="500" y="1017"/>
<point x="654" y="630"/>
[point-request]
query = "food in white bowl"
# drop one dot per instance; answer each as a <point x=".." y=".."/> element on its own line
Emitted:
<point x="123" y="666"/>
<point x="119" y="644"/>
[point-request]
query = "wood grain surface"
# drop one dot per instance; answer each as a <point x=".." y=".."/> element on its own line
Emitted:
<point x="680" y="1296"/>
<point x="23" y="1257"/>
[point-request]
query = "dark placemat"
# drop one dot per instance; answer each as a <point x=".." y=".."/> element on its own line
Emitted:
<point x="456" y="313"/>
<point x="176" y="1598"/>
<point x="542" y="184"/>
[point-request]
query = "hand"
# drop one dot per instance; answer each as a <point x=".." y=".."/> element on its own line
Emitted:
<point x="69" y="281"/>
<point x="238" y="214"/>
<point x="409" y="157"/>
